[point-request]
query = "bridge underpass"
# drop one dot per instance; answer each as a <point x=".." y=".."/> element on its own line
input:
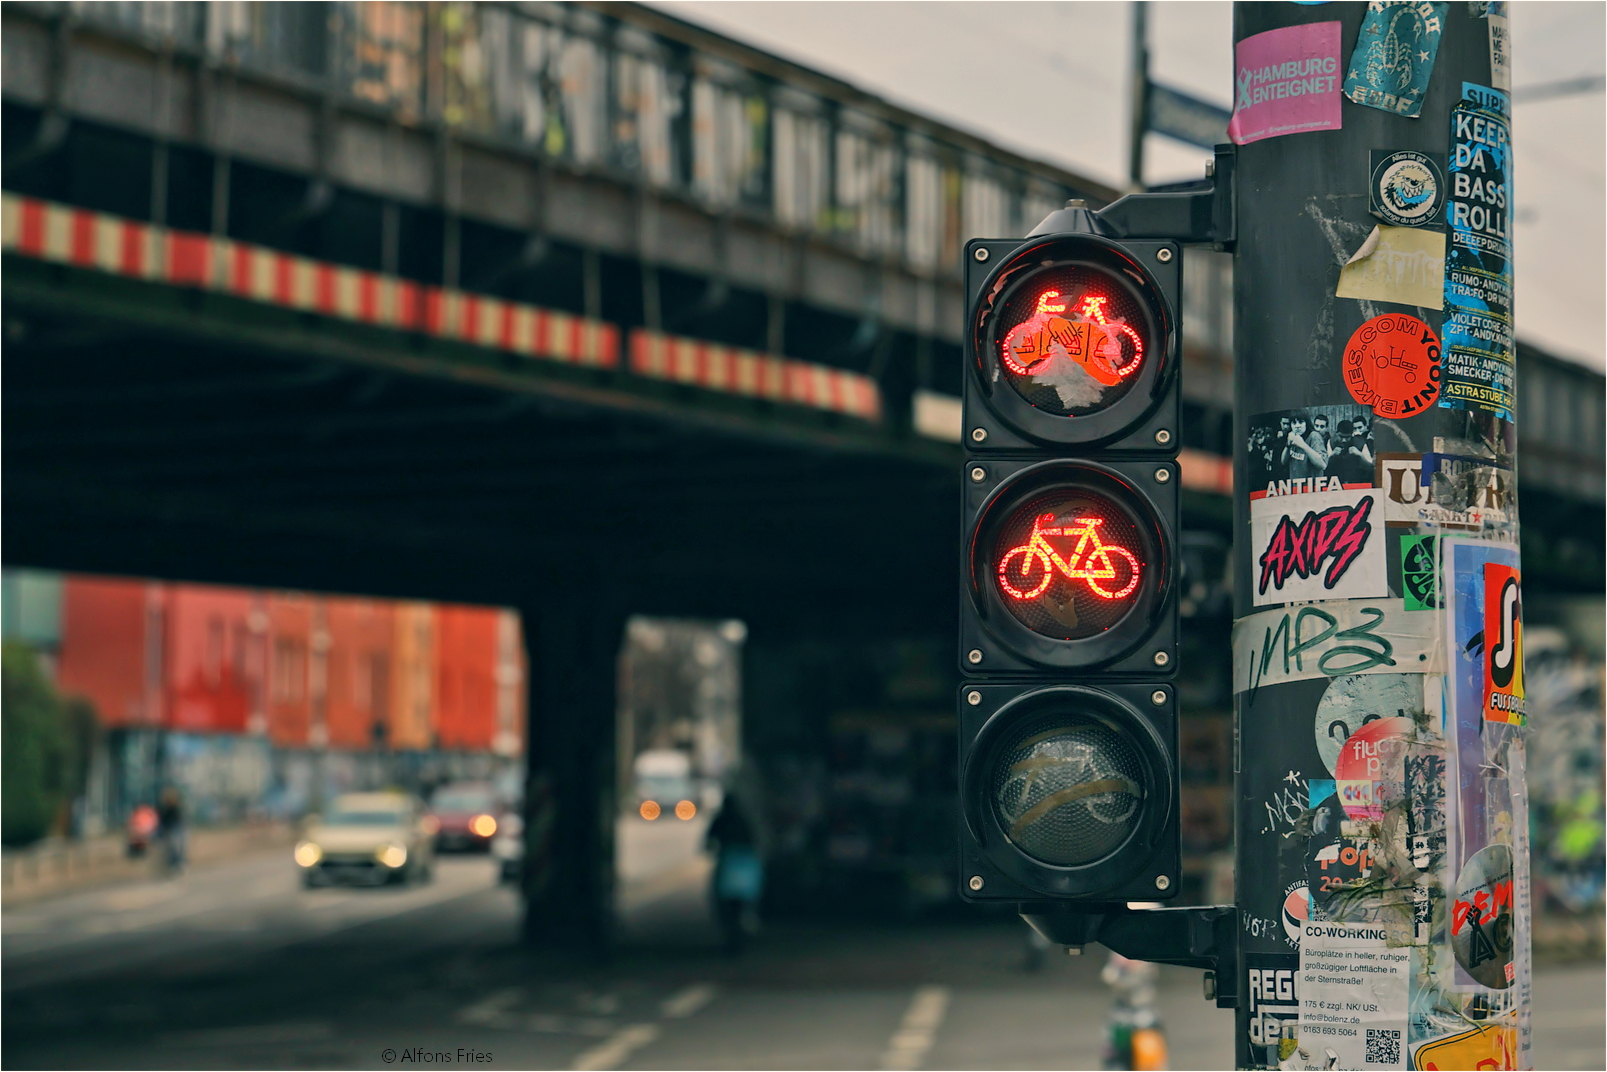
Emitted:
<point x="152" y="433"/>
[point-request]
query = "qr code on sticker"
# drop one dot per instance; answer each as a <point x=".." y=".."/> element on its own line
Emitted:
<point x="1383" y="1047"/>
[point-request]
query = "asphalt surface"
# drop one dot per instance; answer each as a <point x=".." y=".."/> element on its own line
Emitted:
<point x="238" y="967"/>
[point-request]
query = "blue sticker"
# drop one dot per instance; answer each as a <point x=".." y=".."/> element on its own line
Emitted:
<point x="1319" y="790"/>
<point x="1394" y="55"/>
<point x="1477" y="370"/>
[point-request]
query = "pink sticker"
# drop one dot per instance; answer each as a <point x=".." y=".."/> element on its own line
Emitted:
<point x="1287" y="82"/>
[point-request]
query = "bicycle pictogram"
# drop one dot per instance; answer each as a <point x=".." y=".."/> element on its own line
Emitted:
<point x="1092" y="341"/>
<point x="1090" y="560"/>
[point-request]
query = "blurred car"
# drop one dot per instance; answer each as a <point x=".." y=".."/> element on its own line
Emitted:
<point x="465" y="815"/>
<point x="508" y="846"/>
<point x="664" y="784"/>
<point x="368" y="839"/>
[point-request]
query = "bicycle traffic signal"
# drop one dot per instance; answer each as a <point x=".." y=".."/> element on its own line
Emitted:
<point x="1068" y="617"/>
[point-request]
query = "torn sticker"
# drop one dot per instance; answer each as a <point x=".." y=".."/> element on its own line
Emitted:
<point x="1286" y="82"/>
<point x="1394" y="55"/>
<point x="1459" y="497"/>
<point x="1331" y="639"/>
<point x="1403" y="265"/>
<point x="1406" y="188"/>
<point x="1392" y="363"/>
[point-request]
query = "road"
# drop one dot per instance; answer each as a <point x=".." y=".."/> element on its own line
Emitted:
<point x="238" y="967"/>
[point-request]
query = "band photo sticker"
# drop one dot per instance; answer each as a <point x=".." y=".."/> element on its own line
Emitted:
<point x="1503" y="644"/>
<point x="1392" y="363"/>
<point x="1314" y="449"/>
<point x="1319" y="545"/>
<point x="1407" y="188"/>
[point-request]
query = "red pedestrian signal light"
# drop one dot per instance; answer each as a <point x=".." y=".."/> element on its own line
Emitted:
<point x="1073" y="341"/>
<point x="1070" y="566"/>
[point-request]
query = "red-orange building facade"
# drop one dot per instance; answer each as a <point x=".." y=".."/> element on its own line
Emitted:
<point x="306" y="671"/>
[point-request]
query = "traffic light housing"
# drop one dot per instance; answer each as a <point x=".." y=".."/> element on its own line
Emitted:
<point x="1069" y="562"/>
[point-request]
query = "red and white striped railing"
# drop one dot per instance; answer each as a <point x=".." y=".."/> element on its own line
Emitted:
<point x="745" y="372"/>
<point x="94" y="240"/>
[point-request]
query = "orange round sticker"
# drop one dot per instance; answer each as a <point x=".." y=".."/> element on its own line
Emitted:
<point x="1392" y="363"/>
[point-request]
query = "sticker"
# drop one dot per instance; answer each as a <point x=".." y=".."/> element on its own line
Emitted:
<point x="1476" y="495"/>
<point x="1320" y="790"/>
<point x="1273" y="1007"/>
<point x="1500" y="48"/>
<point x="1322" y="545"/>
<point x="1287" y="82"/>
<point x="1397" y="264"/>
<point x="1370" y="772"/>
<point x="1330" y="640"/>
<point x="1392" y="363"/>
<point x="1425" y="816"/>
<point x="1394" y="55"/>
<point x="1479" y="370"/>
<point x="1339" y="862"/>
<point x="1482" y="919"/>
<point x="1296" y="911"/>
<point x="1486" y="1046"/>
<point x="1319" y="448"/>
<point x="1503" y="645"/>
<point x="1353" y="998"/>
<point x="1407" y="188"/>
<point x="1419" y="572"/>
<point x="1462" y="562"/>
<point x="1356" y="701"/>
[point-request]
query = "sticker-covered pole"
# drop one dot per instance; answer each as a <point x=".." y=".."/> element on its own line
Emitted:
<point x="1380" y="812"/>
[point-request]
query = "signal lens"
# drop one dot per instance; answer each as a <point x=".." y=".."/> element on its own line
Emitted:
<point x="1071" y="339"/>
<point x="1067" y="563"/>
<point x="1068" y="792"/>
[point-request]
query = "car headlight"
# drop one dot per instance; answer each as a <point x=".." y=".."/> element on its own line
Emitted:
<point x="391" y="854"/>
<point x="483" y="825"/>
<point x="308" y="853"/>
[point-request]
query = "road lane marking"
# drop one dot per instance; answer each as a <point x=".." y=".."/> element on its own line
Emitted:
<point x="680" y="1006"/>
<point x="491" y="1008"/>
<point x="254" y="1034"/>
<point x="617" y="1049"/>
<point x="908" y="1046"/>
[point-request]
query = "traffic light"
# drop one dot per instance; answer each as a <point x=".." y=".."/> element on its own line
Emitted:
<point x="1068" y="616"/>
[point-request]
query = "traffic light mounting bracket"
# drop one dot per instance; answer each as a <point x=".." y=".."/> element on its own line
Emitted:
<point x="1200" y="215"/>
<point x="1188" y="936"/>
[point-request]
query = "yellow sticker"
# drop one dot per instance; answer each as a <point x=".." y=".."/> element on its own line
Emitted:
<point x="1405" y="265"/>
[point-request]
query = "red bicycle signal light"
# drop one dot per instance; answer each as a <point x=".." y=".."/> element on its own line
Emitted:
<point x="1069" y="564"/>
<point x="1072" y="341"/>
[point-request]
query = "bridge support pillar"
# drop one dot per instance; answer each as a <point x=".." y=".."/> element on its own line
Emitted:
<point x="572" y="642"/>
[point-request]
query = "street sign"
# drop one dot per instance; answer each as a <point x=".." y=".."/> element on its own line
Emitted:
<point x="1188" y="119"/>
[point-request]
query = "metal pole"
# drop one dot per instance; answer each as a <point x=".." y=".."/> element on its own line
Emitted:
<point x="1139" y="94"/>
<point x="1380" y="812"/>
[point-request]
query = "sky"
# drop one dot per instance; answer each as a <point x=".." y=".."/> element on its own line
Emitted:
<point x="1049" y="80"/>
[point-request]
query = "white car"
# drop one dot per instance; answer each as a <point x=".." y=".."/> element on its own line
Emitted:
<point x="368" y="839"/>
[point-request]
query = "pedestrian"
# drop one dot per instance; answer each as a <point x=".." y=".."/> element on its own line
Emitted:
<point x="171" y="828"/>
<point x="738" y="871"/>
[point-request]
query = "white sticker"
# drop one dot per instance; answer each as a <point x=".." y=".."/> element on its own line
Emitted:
<point x="1353" y="998"/>
<point x="1500" y="53"/>
<point x="1321" y="545"/>
<point x="1357" y="636"/>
